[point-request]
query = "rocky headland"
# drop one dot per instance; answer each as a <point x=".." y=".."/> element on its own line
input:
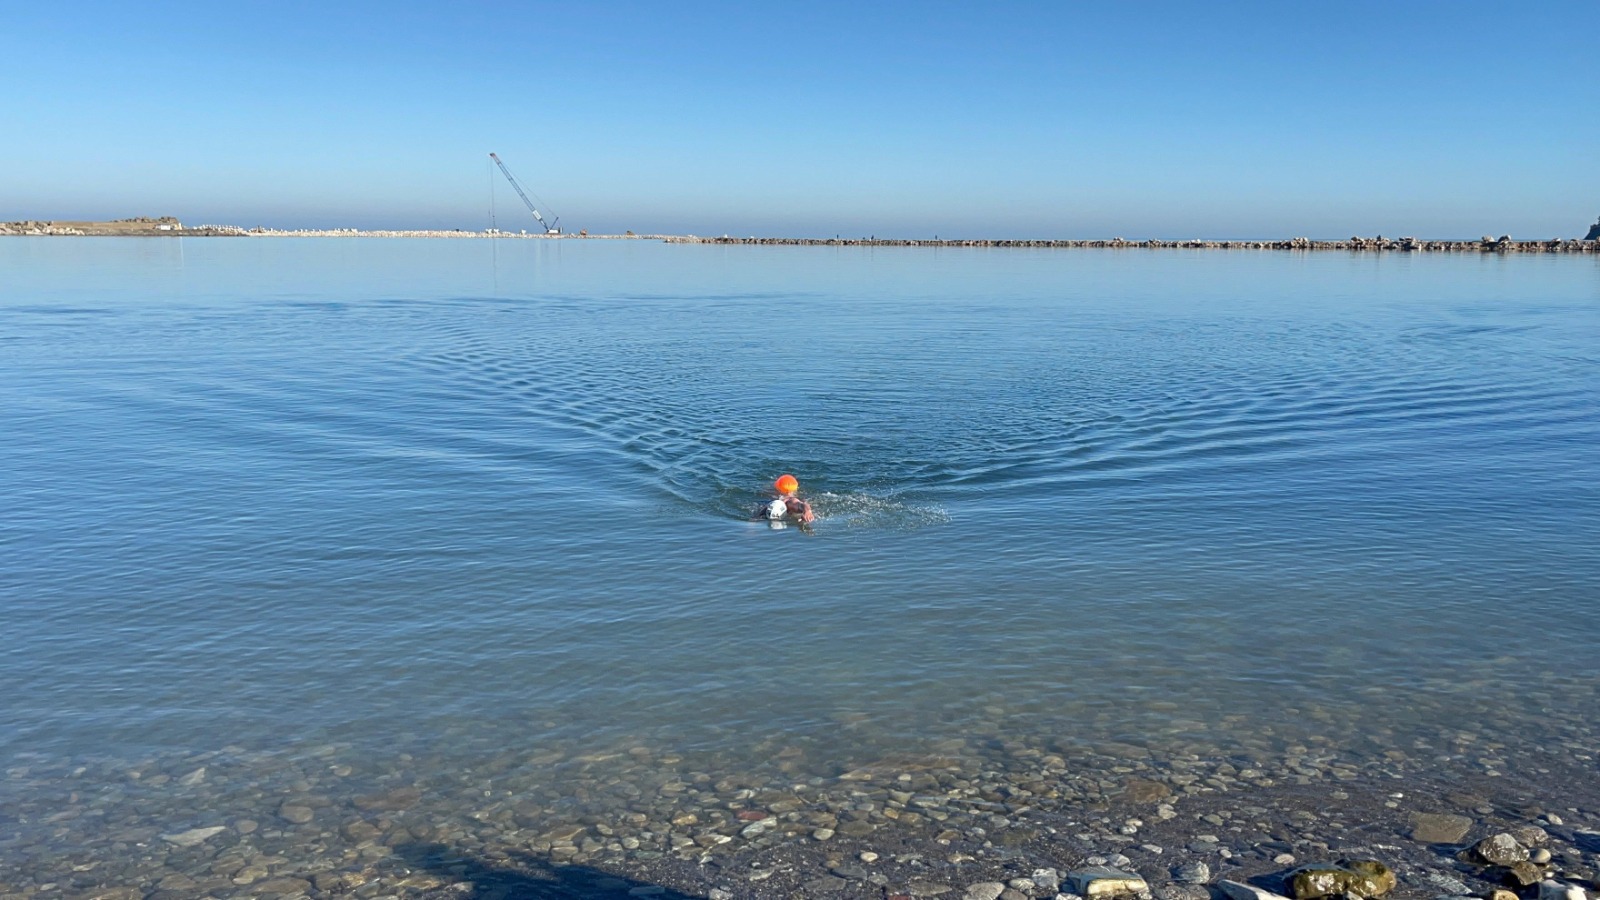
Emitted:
<point x="141" y="226"/>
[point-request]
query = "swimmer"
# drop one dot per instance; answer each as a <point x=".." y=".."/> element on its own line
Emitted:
<point x="787" y="505"/>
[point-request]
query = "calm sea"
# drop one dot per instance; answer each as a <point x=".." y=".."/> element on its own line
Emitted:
<point x="451" y="496"/>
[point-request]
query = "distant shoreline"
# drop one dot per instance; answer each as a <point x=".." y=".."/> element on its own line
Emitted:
<point x="170" y="228"/>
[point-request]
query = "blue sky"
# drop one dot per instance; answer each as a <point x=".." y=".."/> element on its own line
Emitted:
<point x="1058" y="119"/>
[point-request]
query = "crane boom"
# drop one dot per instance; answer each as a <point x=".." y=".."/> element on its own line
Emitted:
<point x="549" y="228"/>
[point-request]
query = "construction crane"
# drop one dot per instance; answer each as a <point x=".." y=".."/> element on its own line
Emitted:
<point x="549" y="227"/>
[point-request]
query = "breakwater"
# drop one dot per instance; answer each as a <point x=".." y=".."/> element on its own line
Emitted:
<point x="152" y="228"/>
<point x="1503" y="244"/>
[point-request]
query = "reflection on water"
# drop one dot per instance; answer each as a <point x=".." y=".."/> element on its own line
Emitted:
<point x="282" y="495"/>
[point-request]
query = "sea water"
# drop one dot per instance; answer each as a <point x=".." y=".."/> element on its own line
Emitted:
<point x="440" y="499"/>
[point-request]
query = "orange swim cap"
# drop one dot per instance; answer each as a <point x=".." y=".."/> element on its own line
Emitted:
<point x="786" y="484"/>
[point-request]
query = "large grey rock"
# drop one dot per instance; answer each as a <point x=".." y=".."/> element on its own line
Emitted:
<point x="1362" y="877"/>
<point x="1438" y="828"/>
<point x="1498" y="850"/>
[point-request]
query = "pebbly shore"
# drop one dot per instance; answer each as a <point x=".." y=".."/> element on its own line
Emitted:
<point x="993" y="817"/>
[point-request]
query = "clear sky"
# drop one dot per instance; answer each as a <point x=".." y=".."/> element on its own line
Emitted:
<point x="1048" y="119"/>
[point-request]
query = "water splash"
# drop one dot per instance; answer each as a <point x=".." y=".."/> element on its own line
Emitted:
<point x="856" y="510"/>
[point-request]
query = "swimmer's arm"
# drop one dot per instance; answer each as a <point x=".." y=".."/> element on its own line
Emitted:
<point x="804" y="514"/>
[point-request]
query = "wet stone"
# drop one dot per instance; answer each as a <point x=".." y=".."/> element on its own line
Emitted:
<point x="1142" y="790"/>
<point x="193" y="836"/>
<point x="827" y="884"/>
<point x="1236" y="890"/>
<point x="1437" y="828"/>
<point x="1497" y="850"/>
<point x="1447" y="884"/>
<point x="1103" y="881"/>
<point x="1531" y="836"/>
<point x="295" y="813"/>
<point x="1363" y="877"/>
<point x="1194" y="872"/>
<point x="1555" y="890"/>
<point x="984" y="890"/>
<point x="281" y="886"/>
<point x="921" y="888"/>
<point x="1519" y="874"/>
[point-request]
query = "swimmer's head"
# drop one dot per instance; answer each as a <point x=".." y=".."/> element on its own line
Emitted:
<point x="786" y="484"/>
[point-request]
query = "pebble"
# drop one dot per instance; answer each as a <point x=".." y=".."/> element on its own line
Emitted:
<point x="1555" y="890"/>
<point x="298" y="815"/>
<point x="1194" y="872"/>
<point x="1236" y="890"/>
<point x="985" y="890"/>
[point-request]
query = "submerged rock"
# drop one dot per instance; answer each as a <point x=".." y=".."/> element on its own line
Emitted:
<point x="1238" y="890"/>
<point x="1437" y="828"/>
<point x="1363" y="877"/>
<point x="1143" y="790"/>
<point x="194" y="836"/>
<point x="1555" y="890"/>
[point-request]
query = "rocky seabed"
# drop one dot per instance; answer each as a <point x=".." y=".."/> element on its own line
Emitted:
<point x="1460" y="814"/>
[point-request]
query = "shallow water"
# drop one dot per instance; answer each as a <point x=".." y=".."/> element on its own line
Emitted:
<point x="454" y="497"/>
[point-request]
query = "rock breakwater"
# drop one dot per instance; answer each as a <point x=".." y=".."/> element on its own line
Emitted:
<point x="1503" y="244"/>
